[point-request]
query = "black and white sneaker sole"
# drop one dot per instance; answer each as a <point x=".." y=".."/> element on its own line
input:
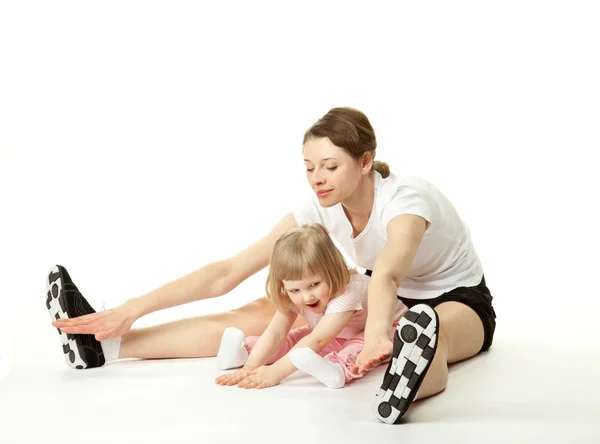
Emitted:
<point x="64" y="301"/>
<point x="415" y="343"/>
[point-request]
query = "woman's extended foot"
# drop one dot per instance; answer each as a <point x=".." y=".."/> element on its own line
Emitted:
<point x="65" y="301"/>
<point x="415" y="343"/>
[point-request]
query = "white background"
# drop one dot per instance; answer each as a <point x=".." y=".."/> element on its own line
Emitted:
<point x="142" y="140"/>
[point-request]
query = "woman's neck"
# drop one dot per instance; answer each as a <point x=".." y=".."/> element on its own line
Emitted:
<point x="358" y="207"/>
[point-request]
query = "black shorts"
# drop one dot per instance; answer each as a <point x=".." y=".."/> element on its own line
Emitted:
<point x="478" y="298"/>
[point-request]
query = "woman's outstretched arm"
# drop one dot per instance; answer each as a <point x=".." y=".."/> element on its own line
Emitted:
<point x="212" y="280"/>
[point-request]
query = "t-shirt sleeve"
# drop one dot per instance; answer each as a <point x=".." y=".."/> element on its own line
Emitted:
<point x="351" y="299"/>
<point x="406" y="201"/>
<point x="308" y="213"/>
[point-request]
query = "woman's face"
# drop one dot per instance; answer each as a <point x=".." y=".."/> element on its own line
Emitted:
<point x="331" y="172"/>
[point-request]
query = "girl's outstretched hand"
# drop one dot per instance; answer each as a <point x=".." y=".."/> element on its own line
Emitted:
<point x="260" y="378"/>
<point x="232" y="378"/>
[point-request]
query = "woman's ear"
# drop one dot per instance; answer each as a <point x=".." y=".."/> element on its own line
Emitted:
<point x="366" y="162"/>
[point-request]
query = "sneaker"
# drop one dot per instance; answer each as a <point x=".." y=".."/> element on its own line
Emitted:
<point x="65" y="301"/>
<point x="415" y="343"/>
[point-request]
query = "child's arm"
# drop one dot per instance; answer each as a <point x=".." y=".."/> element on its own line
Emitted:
<point x="270" y="341"/>
<point x="325" y="331"/>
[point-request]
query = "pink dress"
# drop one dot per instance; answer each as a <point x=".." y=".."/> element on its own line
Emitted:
<point x="350" y="341"/>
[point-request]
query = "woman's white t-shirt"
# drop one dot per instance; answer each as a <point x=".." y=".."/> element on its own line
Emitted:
<point x="445" y="259"/>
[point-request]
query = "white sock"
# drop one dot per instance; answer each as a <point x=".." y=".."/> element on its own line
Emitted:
<point x="111" y="348"/>
<point x="329" y="373"/>
<point x="232" y="353"/>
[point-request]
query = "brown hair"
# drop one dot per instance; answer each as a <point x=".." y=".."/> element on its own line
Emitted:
<point x="349" y="129"/>
<point x="305" y="250"/>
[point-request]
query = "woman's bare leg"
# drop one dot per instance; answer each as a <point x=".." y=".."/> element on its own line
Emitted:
<point x="460" y="337"/>
<point x="197" y="337"/>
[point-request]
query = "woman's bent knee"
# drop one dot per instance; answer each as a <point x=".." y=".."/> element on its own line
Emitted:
<point x="461" y="329"/>
<point x="263" y="308"/>
<point x="257" y="307"/>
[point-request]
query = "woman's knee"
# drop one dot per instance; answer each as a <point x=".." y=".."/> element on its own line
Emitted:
<point x="263" y="307"/>
<point x="258" y="307"/>
<point x="460" y="330"/>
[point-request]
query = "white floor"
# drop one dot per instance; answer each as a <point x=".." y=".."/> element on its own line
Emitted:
<point x="525" y="391"/>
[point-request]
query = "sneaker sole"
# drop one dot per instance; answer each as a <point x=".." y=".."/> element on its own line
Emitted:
<point x="415" y="343"/>
<point x="75" y="347"/>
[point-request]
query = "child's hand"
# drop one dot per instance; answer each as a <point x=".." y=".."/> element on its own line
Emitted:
<point x="232" y="378"/>
<point x="260" y="378"/>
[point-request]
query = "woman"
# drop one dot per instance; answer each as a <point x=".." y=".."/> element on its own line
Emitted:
<point x="401" y="229"/>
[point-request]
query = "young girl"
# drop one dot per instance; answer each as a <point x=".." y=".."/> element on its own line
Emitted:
<point x="308" y="277"/>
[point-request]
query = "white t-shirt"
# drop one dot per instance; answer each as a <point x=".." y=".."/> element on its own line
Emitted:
<point x="445" y="258"/>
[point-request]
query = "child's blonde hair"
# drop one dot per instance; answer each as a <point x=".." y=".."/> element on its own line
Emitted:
<point x="305" y="250"/>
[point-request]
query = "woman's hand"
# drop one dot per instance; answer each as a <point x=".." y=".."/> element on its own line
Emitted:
<point x="103" y="325"/>
<point x="373" y="353"/>
<point x="260" y="378"/>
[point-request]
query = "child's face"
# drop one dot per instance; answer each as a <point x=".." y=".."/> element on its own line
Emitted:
<point x="311" y="292"/>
